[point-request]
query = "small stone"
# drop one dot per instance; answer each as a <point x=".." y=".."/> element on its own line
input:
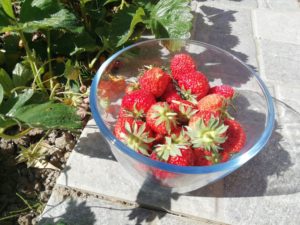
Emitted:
<point x="38" y="187"/>
<point x="67" y="155"/>
<point x="25" y="220"/>
<point x="61" y="142"/>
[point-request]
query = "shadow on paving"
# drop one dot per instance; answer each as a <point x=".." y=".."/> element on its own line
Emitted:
<point x="212" y="26"/>
<point x="161" y="197"/>
<point x="76" y="213"/>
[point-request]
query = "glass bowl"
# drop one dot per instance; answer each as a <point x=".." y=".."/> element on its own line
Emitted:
<point x="253" y="108"/>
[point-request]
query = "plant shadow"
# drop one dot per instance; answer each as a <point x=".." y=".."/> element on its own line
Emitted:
<point x="213" y="26"/>
<point x="75" y="213"/>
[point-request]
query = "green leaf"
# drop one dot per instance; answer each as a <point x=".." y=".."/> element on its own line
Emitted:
<point x="123" y="24"/>
<point x="4" y="19"/>
<point x="21" y="75"/>
<point x="6" y="82"/>
<point x="71" y="72"/>
<point x="45" y="14"/>
<point x="1" y="94"/>
<point x="137" y="18"/>
<point x="6" y="123"/>
<point x="171" y="18"/>
<point x="62" y="19"/>
<point x="13" y="104"/>
<point x="7" y="7"/>
<point x="50" y="116"/>
<point x="109" y="1"/>
<point x="73" y="43"/>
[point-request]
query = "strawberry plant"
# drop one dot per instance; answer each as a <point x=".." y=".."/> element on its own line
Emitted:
<point x="49" y="51"/>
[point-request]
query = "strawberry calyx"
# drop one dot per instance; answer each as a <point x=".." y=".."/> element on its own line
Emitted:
<point x="137" y="138"/>
<point x="208" y="135"/>
<point x="187" y="95"/>
<point x="185" y="110"/>
<point x="180" y="137"/>
<point x="162" y="114"/>
<point x="169" y="148"/>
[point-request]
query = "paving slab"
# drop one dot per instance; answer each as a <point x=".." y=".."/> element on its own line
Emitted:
<point x="229" y="29"/>
<point x="246" y="4"/>
<point x="279" y="4"/>
<point x="281" y="62"/>
<point x="277" y="25"/>
<point x="89" y="210"/>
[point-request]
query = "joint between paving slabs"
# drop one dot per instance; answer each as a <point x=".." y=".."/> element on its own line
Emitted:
<point x="66" y="191"/>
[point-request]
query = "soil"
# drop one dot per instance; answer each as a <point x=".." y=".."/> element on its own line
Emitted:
<point x="34" y="185"/>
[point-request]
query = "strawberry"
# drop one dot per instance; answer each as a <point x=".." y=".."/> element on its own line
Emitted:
<point x="131" y="87"/>
<point x="203" y="114"/>
<point x="161" y="118"/>
<point x="111" y="88"/>
<point x="212" y="102"/>
<point x="182" y="64"/>
<point x="170" y="94"/>
<point x="138" y="102"/>
<point x="155" y="80"/>
<point x="120" y="126"/>
<point x="176" y="154"/>
<point x="225" y="90"/>
<point x="194" y="86"/>
<point x="206" y="158"/>
<point x="135" y="134"/>
<point x="224" y="156"/>
<point x="236" y="137"/>
<point x="184" y="109"/>
<point x="207" y="131"/>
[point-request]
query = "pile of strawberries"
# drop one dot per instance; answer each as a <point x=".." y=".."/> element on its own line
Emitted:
<point x="178" y="118"/>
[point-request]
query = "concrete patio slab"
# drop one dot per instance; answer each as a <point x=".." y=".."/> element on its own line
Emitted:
<point x="89" y="210"/>
<point x="277" y="25"/>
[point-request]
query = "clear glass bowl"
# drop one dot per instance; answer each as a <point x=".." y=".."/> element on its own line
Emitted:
<point x="254" y="109"/>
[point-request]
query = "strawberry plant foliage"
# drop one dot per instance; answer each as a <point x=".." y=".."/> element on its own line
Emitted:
<point x="49" y="50"/>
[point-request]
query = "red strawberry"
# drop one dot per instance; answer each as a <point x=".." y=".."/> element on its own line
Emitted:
<point x="120" y="126"/>
<point x="112" y="88"/>
<point x="138" y="102"/>
<point x="206" y="133"/>
<point x="224" y="90"/>
<point x="206" y="158"/>
<point x="201" y="157"/>
<point x="182" y="64"/>
<point x="135" y="134"/>
<point x="212" y="102"/>
<point x="131" y="87"/>
<point x="224" y="156"/>
<point x="161" y="118"/>
<point x="176" y="154"/>
<point x="184" y="109"/>
<point x="205" y="115"/>
<point x="236" y="137"/>
<point x="194" y="86"/>
<point x="155" y="80"/>
<point x="170" y="94"/>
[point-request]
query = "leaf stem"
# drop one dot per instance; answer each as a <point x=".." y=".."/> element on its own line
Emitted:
<point x="49" y="50"/>
<point x="91" y="65"/>
<point x="24" y="200"/>
<point x="37" y="78"/>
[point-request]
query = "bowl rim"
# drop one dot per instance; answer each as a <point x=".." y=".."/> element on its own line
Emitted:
<point x="232" y="164"/>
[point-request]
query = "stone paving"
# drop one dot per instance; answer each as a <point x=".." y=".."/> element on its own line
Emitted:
<point x="265" y="34"/>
